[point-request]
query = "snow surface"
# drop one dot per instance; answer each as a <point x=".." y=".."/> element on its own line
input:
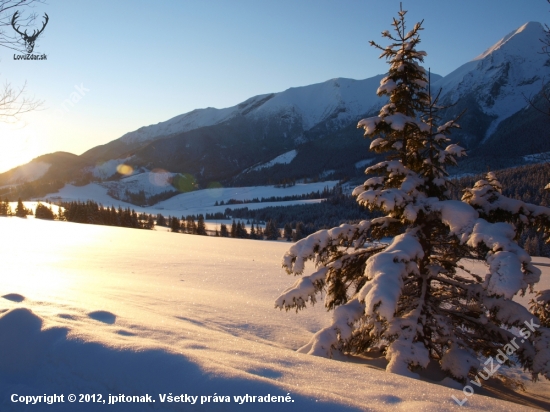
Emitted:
<point x="91" y="191"/>
<point x="285" y="158"/>
<point x="199" y="201"/>
<point x="206" y="198"/>
<point x="515" y="63"/>
<point x="179" y="124"/>
<point x="107" y="169"/>
<point x="96" y="309"/>
<point x="150" y="182"/>
<point x="362" y="163"/>
<point x="28" y="172"/>
<point x="339" y="99"/>
<point x="537" y="157"/>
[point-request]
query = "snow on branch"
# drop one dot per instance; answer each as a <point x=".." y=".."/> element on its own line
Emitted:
<point x="304" y="289"/>
<point x="458" y="216"/>
<point x="393" y="167"/>
<point x="459" y="361"/>
<point x="327" y="339"/>
<point x="487" y="197"/>
<point x="506" y="311"/>
<point x="413" y="298"/>
<point x="396" y="121"/>
<point x="455" y="150"/>
<point x="405" y="350"/>
<point x="317" y="244"/>
<point x="369" y="124"/>
<point x="387" y="199"/>
<point x="386" y="271"/>
<point x="507" y="261"/>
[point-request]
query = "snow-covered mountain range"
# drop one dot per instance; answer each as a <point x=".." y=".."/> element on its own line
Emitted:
<point x="254" y="132"/>
<point x="498" y="81"/>
<point x="340" y="100"/>
<point x="309" y="132"/>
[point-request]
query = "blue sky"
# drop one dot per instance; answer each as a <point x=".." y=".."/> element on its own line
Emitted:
<point x="143" y="62"/>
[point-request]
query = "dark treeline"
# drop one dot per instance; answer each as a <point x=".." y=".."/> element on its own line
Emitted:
<point x="238" y="230"/>
<point x="140" y="198"/>
<point x="20" y="210"/>
<point x="32" y="189"/>
<point x="93" y="213"/>
<point x="326" y="192"/>
<point x="44" y="212"/>
<point x="338" y="208"/>
<point x="186" y="224"/>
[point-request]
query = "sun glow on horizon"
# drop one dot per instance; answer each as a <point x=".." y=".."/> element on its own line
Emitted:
<point x="50" y="271"/>
<point x="20" y="143"/>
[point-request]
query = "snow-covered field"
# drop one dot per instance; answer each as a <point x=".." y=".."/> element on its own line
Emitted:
<point x="199" y="201"/>
<point x="285" y="158"/>
<point x="106" y="311"/>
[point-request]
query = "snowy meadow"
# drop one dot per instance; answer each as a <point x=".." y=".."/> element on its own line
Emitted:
<point x="105" y="311"/>
<point x="107" y="318"/>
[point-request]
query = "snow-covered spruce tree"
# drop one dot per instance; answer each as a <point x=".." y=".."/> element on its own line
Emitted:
<point x="413" y="298"/>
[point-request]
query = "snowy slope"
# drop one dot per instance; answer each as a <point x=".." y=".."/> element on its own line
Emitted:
<point x="343" y="98"/>
<point x="514" y="64"/>
<point x="28" y="172"/>
<point x="182" y="123"/>
<point x="150" y="182"/>
<point x="501" y="76"/>
<point x="91" y="191"/>
<point x="107" y="169"/>
<point x="285" y="158"/>
<point x="101" y="310"/>
<point x="200" y="201"/>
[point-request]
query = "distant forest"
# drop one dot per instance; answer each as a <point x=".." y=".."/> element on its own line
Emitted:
<point x="524" y="183"/>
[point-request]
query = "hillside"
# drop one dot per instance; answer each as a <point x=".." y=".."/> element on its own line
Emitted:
<point x="308" y="133"/>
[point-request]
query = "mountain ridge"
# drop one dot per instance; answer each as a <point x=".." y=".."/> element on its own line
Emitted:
<point x="318" y="122"/>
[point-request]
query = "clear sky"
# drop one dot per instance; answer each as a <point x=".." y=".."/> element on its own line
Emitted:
<point x="142" y="62"/>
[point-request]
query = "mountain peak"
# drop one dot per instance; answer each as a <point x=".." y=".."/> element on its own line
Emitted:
<point x="522" y="41"/>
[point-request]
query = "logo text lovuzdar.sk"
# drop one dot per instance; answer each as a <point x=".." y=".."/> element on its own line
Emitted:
<point x="30" y="57"/>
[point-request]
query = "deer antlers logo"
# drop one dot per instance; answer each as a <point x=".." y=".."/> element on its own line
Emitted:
<point x="29" y="40"/>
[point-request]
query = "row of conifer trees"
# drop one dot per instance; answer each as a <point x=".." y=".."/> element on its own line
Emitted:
<point x="237" y="229"/>
<point x="91" y="212"/>
<point x="20" y="210"/>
